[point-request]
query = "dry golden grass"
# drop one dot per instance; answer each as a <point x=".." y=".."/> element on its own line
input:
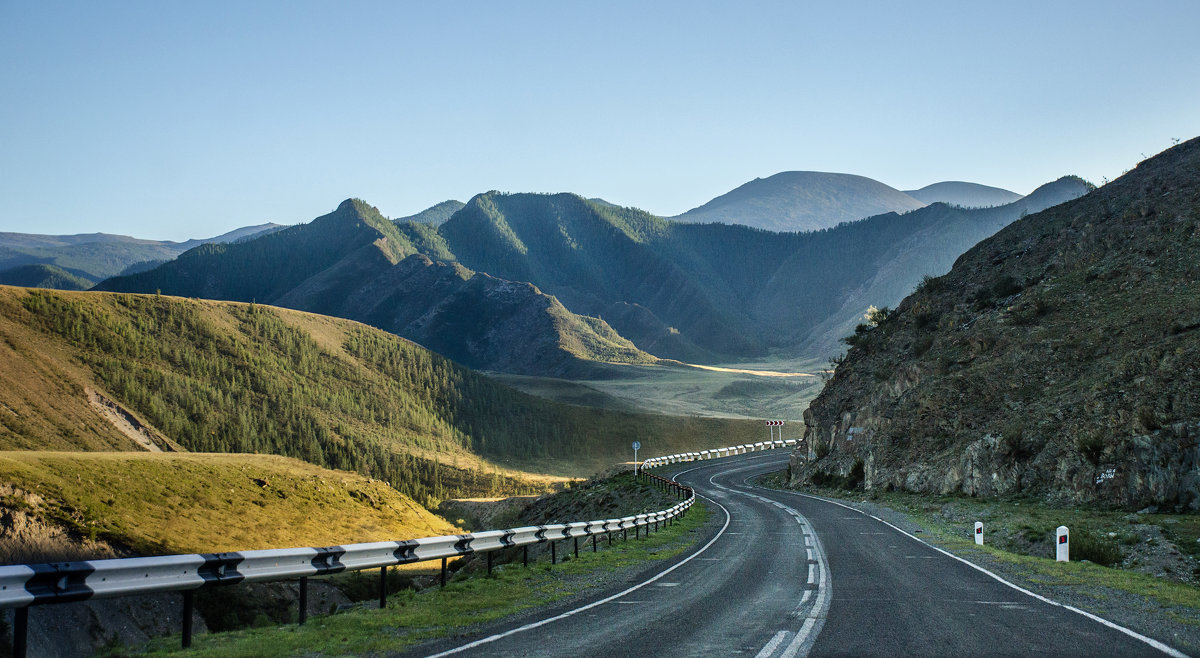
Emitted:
<point x="191" y="502"/>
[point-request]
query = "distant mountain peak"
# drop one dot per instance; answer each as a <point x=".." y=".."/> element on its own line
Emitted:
<point x="964" y="194"/>
<point x="435" y="215"/>
<point x="802" y="201"/>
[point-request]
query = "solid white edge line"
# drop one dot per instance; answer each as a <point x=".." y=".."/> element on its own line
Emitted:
<point x="1113" y="625"/>
<point x="543" y="622"/>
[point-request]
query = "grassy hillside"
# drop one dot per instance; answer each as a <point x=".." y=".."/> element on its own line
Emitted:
<point x="231" y="377"/>
<point x="1057" y="358"/>
<point x="185" y="502"/>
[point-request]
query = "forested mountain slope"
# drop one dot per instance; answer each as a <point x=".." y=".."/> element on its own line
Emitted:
<point x="354" y="263"/>
<point x="43" y="276"/>
<point x="1057" y="358"/>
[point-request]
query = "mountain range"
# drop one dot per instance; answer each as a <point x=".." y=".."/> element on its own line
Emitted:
<point x="77" y="262"/>
<point x="815" y="200"/>
<point x="542" y="284"/>
<point x="1056" y="359"/>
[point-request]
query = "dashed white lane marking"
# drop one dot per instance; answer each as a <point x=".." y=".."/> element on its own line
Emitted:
<point x="772" y="645"/>
<point x="802" y="642"/>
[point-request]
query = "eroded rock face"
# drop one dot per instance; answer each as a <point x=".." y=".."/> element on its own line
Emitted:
<point x="1057" y="359"/>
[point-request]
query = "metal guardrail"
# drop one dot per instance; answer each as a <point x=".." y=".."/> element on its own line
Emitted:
<point x="718" y="452"/>
<point x="25" y="585"/>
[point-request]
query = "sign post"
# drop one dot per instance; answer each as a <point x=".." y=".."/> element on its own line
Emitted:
<point x="771" y="425"/>
<point x="636" y="446"/>
<point x="1062" y="544"/>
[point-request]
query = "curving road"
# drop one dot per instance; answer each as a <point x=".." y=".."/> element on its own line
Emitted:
<point x="783" y="574"/>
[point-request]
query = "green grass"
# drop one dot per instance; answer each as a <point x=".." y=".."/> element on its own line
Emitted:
<point x="467" y="601"/>
<point x="1047" y="571"/>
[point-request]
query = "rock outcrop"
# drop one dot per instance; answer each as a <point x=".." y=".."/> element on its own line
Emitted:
<point x="1059" y="358"/>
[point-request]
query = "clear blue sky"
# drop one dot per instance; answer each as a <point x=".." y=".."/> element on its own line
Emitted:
<point x="172" y="120"/>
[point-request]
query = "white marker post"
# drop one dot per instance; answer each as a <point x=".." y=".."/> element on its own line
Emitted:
<point x="979" y="532"/>
<point x="1062" y="544"/>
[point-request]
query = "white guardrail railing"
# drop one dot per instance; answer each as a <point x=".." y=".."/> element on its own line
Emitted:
<point x="24" y="585"/>
<point x="718" y="452"/>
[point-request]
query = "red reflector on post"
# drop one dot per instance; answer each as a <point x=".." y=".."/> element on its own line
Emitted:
<point x="1062" y="539"/>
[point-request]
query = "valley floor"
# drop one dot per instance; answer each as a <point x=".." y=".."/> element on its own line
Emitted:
<point x="776" y="388"/>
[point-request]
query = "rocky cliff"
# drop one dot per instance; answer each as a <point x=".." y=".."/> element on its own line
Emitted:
<point x="1059" y="358"/>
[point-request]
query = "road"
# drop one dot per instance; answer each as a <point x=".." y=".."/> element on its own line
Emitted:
<point x="782" y="574"/>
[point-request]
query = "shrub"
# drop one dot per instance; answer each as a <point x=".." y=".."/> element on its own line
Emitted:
<point x="931" y="284"/>
<point x="877" y="316"/>
<point x="1094" y="547"/>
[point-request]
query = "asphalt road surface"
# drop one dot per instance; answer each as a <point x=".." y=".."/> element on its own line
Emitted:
<point x="781" y="574"/>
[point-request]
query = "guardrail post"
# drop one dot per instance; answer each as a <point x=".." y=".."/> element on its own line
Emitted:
<point x="489" y="554"/>
<point x="610" y="539"/>
<point x="577" y="548"/>
<point x="443" y="572"/>
<point x="593" y="543"/>
<point x="553" y="552"/>
<point x="20" y="644"/>
<point x="525" y="555"/>
<point x="188" y="604"/>
<point x="303" y="613"/>
<point x="383" y="587"/>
